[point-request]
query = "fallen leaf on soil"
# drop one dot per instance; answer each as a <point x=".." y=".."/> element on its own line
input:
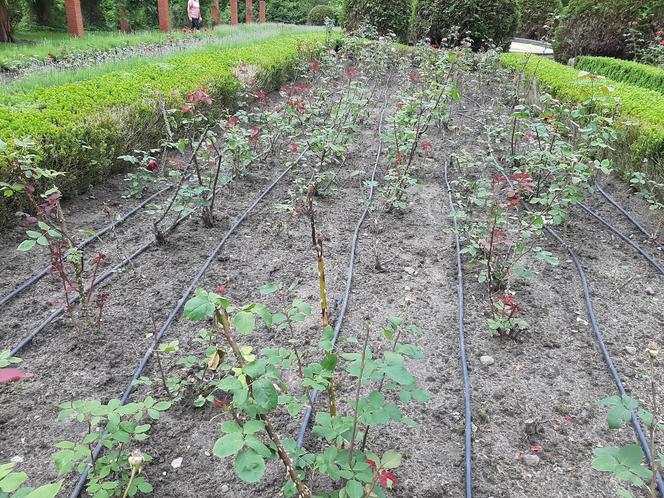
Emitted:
<point x="13" y="375"/>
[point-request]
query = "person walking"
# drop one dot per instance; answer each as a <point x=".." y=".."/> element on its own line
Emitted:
<point x="194" y="13"/>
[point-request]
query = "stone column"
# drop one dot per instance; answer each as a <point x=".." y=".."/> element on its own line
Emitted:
<point x="214" y="12"/>
<point x="261" y="12"/>
<point x="164" y="16"/>
<point x="249" y="11"/>
<point x="234" y="12"/>
<point x="74" y="17"/>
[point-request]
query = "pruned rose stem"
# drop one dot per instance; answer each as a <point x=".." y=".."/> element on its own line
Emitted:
<point x="653" y="425"/>
<point x="367" y="332"/>
<point x="224" y="326"/>
<point x="317" y="240"/>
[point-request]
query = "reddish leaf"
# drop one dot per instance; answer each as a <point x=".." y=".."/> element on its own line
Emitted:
<point x="387" y="479"/>
<point x="13" y="375"/>
<point x="536" y="448"/>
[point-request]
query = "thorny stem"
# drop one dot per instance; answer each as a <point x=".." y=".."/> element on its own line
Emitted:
<point x="161" y="374"/>
<point x="295" y="351"/>
<point x="318" y="244"/>
<point x="131" y="480"/>
<point x="357" y="395"/>
<point x="653" y="426"/>
<point x="222" y="318"/>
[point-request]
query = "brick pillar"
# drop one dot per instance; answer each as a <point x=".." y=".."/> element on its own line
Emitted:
<point x="214" y="12"/>
<point x="234" y="12"/>
<point x="164" y="16"/>
<point x="124" y="24"/>
<point x="74" y="17"/>
<point x="261" y="12"/>
<point x="249" y="11"/>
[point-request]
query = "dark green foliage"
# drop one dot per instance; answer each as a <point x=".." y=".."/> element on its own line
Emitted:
<point x="386" y="15"/>
<point x="598" y="27"/>
<point x="486" y="22"/>
<point x="278" y="11"/>
<point x="634" y="73"/>
<point x="319" y="13"/>
<point x="539" y="18"/>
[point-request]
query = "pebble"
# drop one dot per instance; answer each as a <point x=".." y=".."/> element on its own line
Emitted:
<point x="487" y="360"/>
<point x="17" y="459"/>
<point x="531" y="460"/>
<point x="630" y="349"/>
<point x="410" y="270"/>
<point x="207" y="453"/>
<point x="650" y="291"/>
<point x="177" y="463"/>
<point x="225" y="488"/>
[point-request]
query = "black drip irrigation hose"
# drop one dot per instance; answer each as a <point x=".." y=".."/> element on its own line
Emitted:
<point x="468" y="457"/>
<point x="175" y="312"/>
<point x="615" y="204"/>
<point x="624" y="237"/>
<point x="41" y="274"/>
<point x="598" y="336"/>
<point x="349" y="281"/>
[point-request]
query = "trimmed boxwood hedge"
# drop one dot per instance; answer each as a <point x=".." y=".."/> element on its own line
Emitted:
<point x="642" y="75"/>
<point x="81" y="128"/>
<point x="486" y="22"/>
<point x="641" y="110"/>
<point x="386" y="15"/>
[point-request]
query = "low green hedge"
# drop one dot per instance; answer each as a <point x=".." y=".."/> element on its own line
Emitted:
<point x="81" y="128"/>
<point x="641" y="110"/>
<point x="642" y="75"/>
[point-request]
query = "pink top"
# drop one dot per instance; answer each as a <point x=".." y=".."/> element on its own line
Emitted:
<point x="194" y="9"/>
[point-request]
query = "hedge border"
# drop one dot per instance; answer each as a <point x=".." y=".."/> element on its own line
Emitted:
<point x="81" y="128"/>
<point x="641" y="112"/>
<point x="642" y="75"/>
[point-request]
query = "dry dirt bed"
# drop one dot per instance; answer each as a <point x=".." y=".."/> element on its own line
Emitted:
<point x="538" y="391"/>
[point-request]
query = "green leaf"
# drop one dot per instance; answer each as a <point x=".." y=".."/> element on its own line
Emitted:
<point x="329" y="362"/>
<point x="46" y="491"/>
<point x="270" y="288"/>
<point x="244" y="322"/>
<point x="391" y="459"/>
<point x="631" y="455"/>
<point x="253" y="426"/>
<point x="354" y="489"/>
<point x="265" y="395"/>
<point x="230" y="427"/>
<point x="26" y="245"/>
<point x="250" y="466"/>
<point x="228" y="445"/>
<point x="13" y="481"/>
<point x="199" y="307"/>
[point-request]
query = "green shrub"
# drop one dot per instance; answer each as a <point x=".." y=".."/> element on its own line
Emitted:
<point x="642" y="75"/>
<point x="641" y="110"/>
<point x="486" y="22"/>
<point x="82" y="127"/>
<point x="386" y="15"/>
<point x="319" y="13"/>
<point x="539" y="18"/>
<point x="599" y="27"/>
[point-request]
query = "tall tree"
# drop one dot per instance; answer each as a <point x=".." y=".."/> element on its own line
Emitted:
<point x="5" y="23"/>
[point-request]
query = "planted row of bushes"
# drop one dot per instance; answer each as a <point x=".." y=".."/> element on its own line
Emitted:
<point x="642" y="75"/>
<point x="641" y="111"/>
<point x="82" y="127"/>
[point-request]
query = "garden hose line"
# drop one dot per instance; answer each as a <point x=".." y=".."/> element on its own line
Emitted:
<point x="624" y="237"/>
<point x="615" y="204"/>
<point x="38" y="276"/>
<point x="176" y="311"/>
<point x="598" y="334"/>
<point x="349" y="279"/>
<point x="468" y="455"/>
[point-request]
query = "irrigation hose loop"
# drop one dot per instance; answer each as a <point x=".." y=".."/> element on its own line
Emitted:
<point x="615" y="204"/>
<point x="175" y="312"/>
<point x="349" y="278"/>
<point x="468" y="456"/>
<point x="41" y="274"/>
<point x="624" y="237"/>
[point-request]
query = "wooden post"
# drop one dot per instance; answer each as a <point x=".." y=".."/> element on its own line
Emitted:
<point x="234" y="20"/>
<point x="164" y="16"/>
<point x="214" y="12"/>
<point x="249" y="11"/>
<point x="124" y="24"/>
<point x="261" y="12"/>
<point x="74" y="17"/>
